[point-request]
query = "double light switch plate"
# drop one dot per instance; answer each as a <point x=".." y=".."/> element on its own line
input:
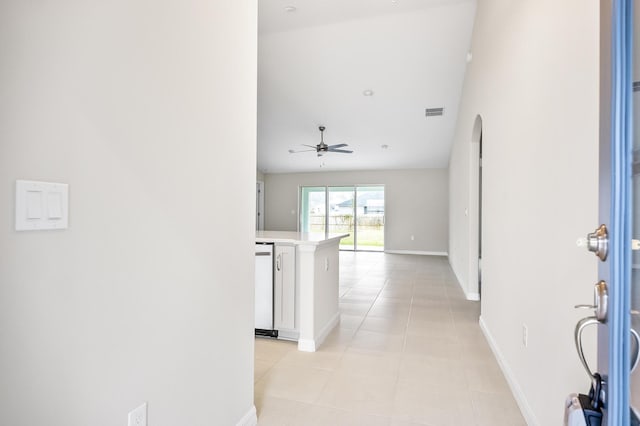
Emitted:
<point x="41" y="205"/>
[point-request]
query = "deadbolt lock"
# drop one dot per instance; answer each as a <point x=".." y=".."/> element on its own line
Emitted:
<point x="598" y="242"/>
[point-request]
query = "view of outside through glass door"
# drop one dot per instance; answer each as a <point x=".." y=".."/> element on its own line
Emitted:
<point x="313" y="210"/>
<point x="356" y="210"/>
<point x="341" y="217"/>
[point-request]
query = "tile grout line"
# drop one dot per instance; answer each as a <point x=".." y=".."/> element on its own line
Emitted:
<point x="333" y="373"/>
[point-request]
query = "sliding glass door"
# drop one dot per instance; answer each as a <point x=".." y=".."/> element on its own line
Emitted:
<point x="356" y="210"/>
<point x="313" y="205"/>
<point x="370" y="213"/>
<point x="341" y="216"/>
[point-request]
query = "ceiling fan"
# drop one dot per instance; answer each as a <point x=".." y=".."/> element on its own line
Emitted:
<point x="322" y="147"/>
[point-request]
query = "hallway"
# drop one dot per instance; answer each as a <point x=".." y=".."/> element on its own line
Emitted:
<point x="408" y="351"/>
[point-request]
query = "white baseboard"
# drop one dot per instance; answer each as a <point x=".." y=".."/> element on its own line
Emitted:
<point x="288" y="335"/>
<point x="311" y="345"/>
<point x="327" y="329"/>
<point x="423" y="253"/>
<point x="249" y="419"/>
<point x="516" y="390"/>
<point x="473" y="296"/>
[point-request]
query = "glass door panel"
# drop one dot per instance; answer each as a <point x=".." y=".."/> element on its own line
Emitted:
<point x="370" y="218"/>
<point x="341" y="215"/>
<point x="635" y="272"/>
<point x="313" y="203"/>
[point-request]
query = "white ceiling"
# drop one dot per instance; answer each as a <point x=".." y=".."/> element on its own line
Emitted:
<point x="315" y="63"/>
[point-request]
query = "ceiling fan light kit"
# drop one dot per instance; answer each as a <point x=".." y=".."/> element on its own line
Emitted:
<point x="322" y="147"/>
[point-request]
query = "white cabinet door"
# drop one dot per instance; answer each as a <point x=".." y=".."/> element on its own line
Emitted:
<point x="285" y="288"/>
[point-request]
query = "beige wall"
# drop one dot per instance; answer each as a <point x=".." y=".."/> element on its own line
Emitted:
<point x="148" y="296"/>
<point x="534" y="80"/>
<point x="416" y="203"/>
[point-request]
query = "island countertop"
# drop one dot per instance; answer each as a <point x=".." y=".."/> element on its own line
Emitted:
<point x="297" y="238"/>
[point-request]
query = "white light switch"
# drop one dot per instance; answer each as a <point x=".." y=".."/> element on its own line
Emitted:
<point x="34" y="204"/>
<point x="41" y="205"/>
<point x="54" y="205"/>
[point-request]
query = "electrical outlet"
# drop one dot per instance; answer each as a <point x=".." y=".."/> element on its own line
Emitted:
<point x="138" y="416"/>
<point x="525" y="335"/>
<point x="412" y="238"/>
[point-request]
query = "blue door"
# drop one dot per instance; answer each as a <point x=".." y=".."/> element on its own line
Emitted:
<point x="620" y="214"/>
<point x="633" y="60"/>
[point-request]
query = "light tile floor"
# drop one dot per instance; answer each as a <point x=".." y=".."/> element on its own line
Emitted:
<point x="408" y="351"/>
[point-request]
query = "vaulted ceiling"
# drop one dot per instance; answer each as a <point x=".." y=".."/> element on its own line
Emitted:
<point x="318" y="61"/>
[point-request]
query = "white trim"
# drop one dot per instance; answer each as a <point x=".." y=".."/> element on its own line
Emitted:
<point x="423" y="253"/>
<point x="516" y="390"/>
<point x="306" y="345"/>
<point x="475" y="297"/>
<point x="249" y="419"/>
<point x="292" y="335"/>
<point x="327" y="329"/>
<point x="309" y="345"/>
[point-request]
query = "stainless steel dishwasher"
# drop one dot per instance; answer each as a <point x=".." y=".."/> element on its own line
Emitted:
<point x="264" y="291"/>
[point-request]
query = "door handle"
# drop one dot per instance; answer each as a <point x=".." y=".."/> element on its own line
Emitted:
<point x="577" y="336"/>
<point x="600" y="307"/>
<point x="278" y="261"/>
<point x="636" y="357"/>
<point x="584" y="323"/>
<point x="600" y="301"/>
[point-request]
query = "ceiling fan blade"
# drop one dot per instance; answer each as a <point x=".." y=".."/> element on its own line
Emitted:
<point x="310" y="146"/>
<point x="340" y="145"/>
<point x="293" y="151"/>
<point x="343" y="151"/>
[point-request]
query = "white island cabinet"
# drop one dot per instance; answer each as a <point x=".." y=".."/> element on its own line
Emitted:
<point x="284" y="290"/>
<point x="306" y="273"/>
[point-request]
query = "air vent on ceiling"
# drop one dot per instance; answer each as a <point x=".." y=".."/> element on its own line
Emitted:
<point x="433" y="112"/>
<point x="636" y="86"/>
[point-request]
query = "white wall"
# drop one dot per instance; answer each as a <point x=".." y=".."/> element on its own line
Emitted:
<point x="148" y="296"/>
<point x="534" y="80"/>
<point x="416" y="203"/>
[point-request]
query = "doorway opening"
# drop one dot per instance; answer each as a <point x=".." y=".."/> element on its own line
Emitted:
<point x="480" y="215"/>
<point x="474" y="289"/>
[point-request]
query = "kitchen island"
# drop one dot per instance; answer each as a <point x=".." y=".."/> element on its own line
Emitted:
<point x="306" y="274"/>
